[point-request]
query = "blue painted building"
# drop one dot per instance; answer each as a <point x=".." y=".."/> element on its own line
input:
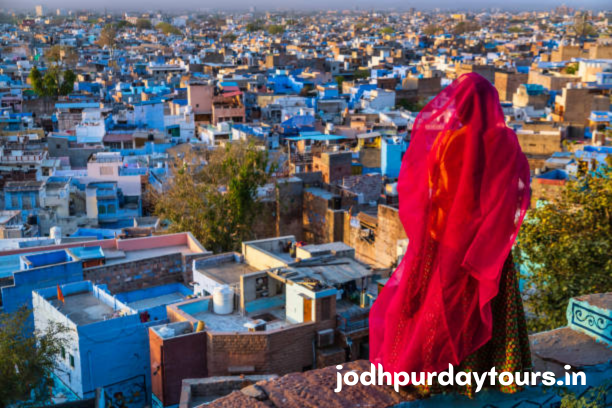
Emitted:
<point x="108" y="346"/>
<point x="27" y="196"/>
<point x="149" y="114"/>
<point x="34" y="271"/>
<point x="391" y="153"/>
<point x="151" y="302"/>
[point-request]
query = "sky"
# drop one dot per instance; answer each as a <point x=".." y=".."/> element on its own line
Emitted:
<point x="176" y="5"/>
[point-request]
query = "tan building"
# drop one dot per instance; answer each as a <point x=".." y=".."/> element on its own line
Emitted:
<point x="507" y="83"/>
<point x="576" y="103"/>
<point x="553" y="81"/>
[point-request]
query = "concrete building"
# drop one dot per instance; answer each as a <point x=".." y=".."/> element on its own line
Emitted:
<point x="507" y="83"/>
<point x="280" y="317"/>
<point x="107" y="342"/>
<point x="200" y="97"/>
<point x="22" y="274"/>
<point x="26" y="196"/>
<point x="333" y="165"/>
<point x="576" y="102"/>
<point x="122" y="264"/>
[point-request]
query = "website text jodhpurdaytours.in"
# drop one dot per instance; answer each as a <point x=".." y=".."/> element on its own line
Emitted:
<point x="377" y="376"/>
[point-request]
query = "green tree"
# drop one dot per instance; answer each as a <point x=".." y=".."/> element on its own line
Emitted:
<point x="387" y="31"/>
<point x="571" y="69"/>
<point x="432" y="29"/>
<point x="120" y="25"/>
<point x="167" y="28"/>
<point x="565" y="246"/>
<point x="36" y="80"/>
<point x="67" y="86"/>
<point x="54" y="83"/>
<point x="143" y="24"/>
<point x="254" y="26"/>
<point x="218" y="202"/>
<point x="108" y="38"/>
<point x="229" y="38"/>
<point x="339" y="80"/>
<point x="516" y="29"/>
<point x="58" y="54"/>
<point x="464" y="27"/>
<point x="27" y="361"/>
<point x="361" y="74"/>
<point x="582" y="27"/>
<point x="276" y="29"/>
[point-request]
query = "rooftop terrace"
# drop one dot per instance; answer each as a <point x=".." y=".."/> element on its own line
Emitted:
<point x="84" y="308"/>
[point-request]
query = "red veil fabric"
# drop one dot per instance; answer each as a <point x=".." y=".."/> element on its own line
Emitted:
<point x="463" y="192"/>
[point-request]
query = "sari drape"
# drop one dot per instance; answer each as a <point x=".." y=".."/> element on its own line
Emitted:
<point x="463" y="192"/>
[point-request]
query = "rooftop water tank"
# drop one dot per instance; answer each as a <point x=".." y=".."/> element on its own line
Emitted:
<point x="223" y="300"/>
<point x="55" y="233"/>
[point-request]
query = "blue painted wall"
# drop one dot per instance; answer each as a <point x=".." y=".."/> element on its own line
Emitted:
<point x="391" y="158"/>
<point x="26" y="281"/>
<point x="157" y="313"/>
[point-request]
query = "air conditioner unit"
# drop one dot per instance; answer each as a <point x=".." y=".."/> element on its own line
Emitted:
<point x="325" y="338"/>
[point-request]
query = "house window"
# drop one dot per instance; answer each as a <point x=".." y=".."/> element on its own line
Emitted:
<point x="111" y="209"/>
<point x="101" y="209"/>
<point x="71" y="361"/>
<point x="63" y="352"/>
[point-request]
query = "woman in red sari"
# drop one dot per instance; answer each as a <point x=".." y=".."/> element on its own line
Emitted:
<point x="463" y="190"/>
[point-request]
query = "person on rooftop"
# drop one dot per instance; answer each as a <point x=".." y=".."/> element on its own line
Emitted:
<point x="463" y="192"/>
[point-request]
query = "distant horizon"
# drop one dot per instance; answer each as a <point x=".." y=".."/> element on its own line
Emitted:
<point x="313" y="5"/>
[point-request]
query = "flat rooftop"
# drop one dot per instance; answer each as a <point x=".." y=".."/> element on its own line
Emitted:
<point x="117" y="257"/>
<point x="269" y="309"/>
<point x="275" y="319"/>
<point x="228" y="272"/>
<point x="160" y="300"/>
<point x="84" y="308"/>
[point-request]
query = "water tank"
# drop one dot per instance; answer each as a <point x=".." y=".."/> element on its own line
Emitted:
<point x="55" y="233"/>
<point x="223" y="300"/>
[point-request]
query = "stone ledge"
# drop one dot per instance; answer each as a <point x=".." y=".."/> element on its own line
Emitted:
<point x="592" y="315"/>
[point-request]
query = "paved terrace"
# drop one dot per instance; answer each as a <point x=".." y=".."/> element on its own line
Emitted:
<point x="85" y="308"/>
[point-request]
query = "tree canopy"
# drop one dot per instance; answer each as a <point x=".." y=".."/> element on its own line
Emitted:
<point x="464" y="27"/>
<point x="58" y="54"/>
<point x="217" y="202"/>
<point x="27" y="361"/>
<point x="54" y="83"/>
<point x="167" y="28"/>
<point x="108" y="36"/>
<point x="144" y="24"/>
<point x="275" y="29"/>
<point x="564" y="246"/>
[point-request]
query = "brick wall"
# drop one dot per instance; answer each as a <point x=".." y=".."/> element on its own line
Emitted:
<point x="276" y="352"/>
<point x="138" y="274"/>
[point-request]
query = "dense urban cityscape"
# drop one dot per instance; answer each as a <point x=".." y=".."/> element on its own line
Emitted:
<point x="200" y="208"/>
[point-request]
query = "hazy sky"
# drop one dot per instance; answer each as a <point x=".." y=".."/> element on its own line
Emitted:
<point x="302" y="5"/>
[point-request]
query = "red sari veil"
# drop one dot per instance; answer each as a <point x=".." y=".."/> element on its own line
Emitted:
<point x="463" y="192"/>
